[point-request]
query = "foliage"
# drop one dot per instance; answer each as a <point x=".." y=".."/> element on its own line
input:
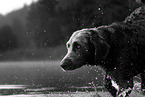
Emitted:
<point x="49" y="23"/>
<point x="43" y="26"/>
<point x="7" y="38"/>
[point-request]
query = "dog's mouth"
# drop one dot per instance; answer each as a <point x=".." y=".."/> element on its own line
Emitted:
<point x="67" y="68"/>
<point x="69" y="65"/>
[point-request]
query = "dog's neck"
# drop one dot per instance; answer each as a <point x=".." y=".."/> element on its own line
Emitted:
<point x="116" y="30"/>
<point x="105" y="33"/>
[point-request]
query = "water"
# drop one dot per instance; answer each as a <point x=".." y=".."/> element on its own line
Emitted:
<point x="45" y="78"/>
<point x="11" y="90"/>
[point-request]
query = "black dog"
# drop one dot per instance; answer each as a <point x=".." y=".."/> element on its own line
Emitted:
<point x="119" y="48"/>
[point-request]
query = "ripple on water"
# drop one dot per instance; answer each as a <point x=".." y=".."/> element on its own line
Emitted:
<point x="2" y="87"/>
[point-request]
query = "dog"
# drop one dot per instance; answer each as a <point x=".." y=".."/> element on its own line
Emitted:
<point x="119" y="48"/>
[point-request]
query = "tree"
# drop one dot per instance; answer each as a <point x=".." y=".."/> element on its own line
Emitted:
<point x="42" y="23"/>
<point x="8" y="39"/>
<point x="79" y="14"/>
<point x="63" y="17"/>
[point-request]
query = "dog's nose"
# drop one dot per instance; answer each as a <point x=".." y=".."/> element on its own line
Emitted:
<point x="65" y="64"/>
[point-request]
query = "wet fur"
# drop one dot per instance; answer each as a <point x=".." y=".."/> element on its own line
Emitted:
<point x="119" y="48"/>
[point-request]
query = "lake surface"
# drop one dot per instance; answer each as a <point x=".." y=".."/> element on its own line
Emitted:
<point x="46" y="78"/>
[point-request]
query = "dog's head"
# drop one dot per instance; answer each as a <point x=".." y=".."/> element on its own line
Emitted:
<point x="87" y="46"/>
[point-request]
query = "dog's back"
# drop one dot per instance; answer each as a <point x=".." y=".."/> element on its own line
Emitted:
<point x="137" y="17"/>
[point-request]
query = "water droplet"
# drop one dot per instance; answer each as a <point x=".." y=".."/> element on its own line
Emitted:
<point x="44" y="31"/>
<point x="89" y="83"/>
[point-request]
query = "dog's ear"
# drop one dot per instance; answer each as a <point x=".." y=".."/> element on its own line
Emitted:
<point x="101" y="47"/>
<point x="106" y="32"/>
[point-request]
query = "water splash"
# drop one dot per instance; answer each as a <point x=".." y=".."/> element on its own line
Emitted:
<point x="99" y="8"/>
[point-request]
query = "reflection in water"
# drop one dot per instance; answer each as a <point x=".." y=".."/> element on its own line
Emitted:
<point x="45" y="77"/>
<point x="40" y="89"/>
<point x="12" y="87"/>
<point x="17" y="90"/>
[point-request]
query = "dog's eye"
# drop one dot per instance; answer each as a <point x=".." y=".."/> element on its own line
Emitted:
<point x="76" y="45"/>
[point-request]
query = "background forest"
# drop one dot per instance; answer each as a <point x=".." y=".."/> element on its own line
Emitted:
<point x="39" y="31"/>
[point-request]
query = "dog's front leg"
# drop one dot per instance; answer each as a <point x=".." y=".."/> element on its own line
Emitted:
<point x="122" y="89"/>
<point x="109" y="86"/>
<point x="125" y="88"/>
<point x="143" y="82"/>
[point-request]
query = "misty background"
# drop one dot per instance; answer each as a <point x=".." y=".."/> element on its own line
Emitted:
<point x="32" y="43"/>
<point x="39" y="31"/>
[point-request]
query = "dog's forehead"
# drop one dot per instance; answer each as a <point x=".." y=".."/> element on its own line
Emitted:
<point x="79" y="36"/>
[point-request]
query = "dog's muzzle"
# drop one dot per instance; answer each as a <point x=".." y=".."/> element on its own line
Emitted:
<point x="66" y="64"/>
